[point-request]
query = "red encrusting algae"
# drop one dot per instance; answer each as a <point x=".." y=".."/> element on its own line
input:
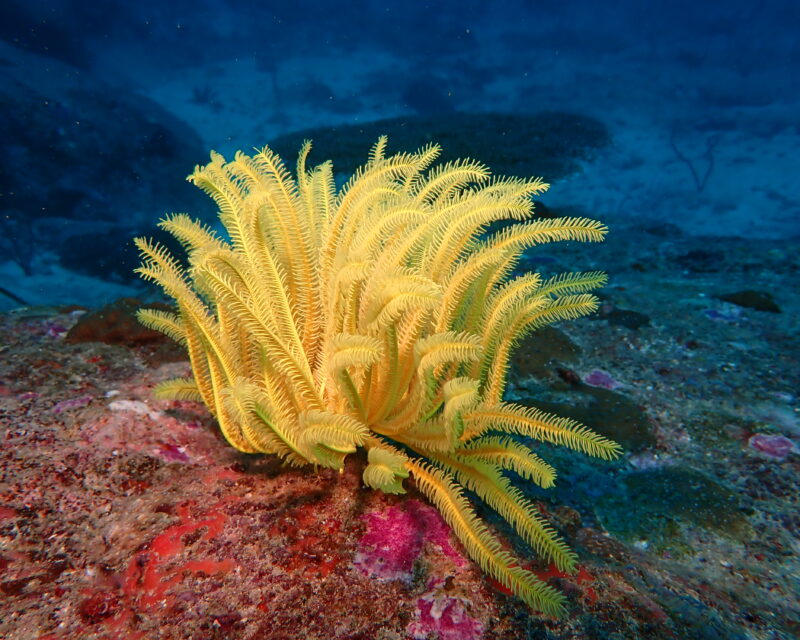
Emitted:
<point x="145" y="586"/>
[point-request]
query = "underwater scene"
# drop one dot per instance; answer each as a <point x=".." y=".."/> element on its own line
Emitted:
<point x="386" y="320"/>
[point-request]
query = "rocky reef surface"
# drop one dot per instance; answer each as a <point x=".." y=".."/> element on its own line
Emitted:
<point x="122" y="517"/>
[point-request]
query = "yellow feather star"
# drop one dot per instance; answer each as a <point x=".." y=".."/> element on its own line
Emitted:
<point x="380" y="316"/>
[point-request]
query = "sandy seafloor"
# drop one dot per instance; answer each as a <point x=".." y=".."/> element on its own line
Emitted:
<point x="123" y="517"/>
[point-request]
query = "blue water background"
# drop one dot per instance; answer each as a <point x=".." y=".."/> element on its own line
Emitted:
<point x="702" y="101"/>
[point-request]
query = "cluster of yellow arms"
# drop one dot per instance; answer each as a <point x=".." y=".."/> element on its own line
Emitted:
<point x="381" y="315"/>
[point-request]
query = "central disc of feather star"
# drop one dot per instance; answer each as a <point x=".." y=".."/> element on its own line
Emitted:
<point x="382" y="316"/>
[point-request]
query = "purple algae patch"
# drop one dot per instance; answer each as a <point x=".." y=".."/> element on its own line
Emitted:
<point x="173" y="453"/>
<point x="395" y="537"/>
<point x="71" y="403"/>
<point x="599" y="378"/>
<point x="446" y="617"/>
<point x="777" y="447"/>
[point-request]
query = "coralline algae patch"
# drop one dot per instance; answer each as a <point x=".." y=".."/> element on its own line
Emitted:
<point x="312" y="544"/>
<point x="152" y="574"/>
<point x="393" y="548"/>
<point x="410" y="543"/>
<point x="444" y="616"/>
<point x="777" y="447"/>
<point x="395" y="538"/>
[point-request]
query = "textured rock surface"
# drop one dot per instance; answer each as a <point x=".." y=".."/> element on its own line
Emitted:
<point x="124" y="518"/>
